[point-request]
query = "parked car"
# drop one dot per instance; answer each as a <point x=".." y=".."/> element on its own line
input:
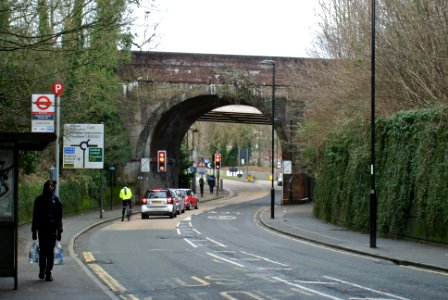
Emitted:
<point x="190" y="199"/>
<point x="179" y="201"/>
<point x="159" y="202"/>
<point x="280" y="179"/>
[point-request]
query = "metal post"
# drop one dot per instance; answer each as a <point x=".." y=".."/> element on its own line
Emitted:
<point x="58" y="118"/>
<point x="272" y="146"/>
<point x="272" y="62"/>
<point x="101" y="193"/>
<point x="373" y="200"/>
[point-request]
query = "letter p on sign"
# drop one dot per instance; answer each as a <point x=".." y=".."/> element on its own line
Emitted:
<point x="57" y="88"/>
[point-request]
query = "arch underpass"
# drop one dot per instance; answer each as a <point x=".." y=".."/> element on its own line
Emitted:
<point x="165" y="93"/>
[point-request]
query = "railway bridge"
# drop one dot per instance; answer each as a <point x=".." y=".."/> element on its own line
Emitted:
<point x="165" y="93"/>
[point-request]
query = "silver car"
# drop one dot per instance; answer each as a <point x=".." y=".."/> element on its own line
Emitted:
<point x="179" y="200"/>
<point x="159" y="202"/>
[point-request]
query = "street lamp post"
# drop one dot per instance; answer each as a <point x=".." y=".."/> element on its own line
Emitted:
<point x="193" y="187"/>
<point x="272" y="63"/>
<point x="373" y="199"/>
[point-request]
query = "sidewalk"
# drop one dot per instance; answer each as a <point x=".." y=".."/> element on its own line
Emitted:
<point x="298" y="221"/>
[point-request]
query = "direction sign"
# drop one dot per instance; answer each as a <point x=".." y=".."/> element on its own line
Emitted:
<point x="83" y="146"/>
<point x="42" y="113"/>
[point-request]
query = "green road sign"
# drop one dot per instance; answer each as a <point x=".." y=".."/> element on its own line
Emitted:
<point x="95" y="154"/>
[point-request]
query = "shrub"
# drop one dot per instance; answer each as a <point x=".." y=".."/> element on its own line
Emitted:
<point x="411" y="177"/>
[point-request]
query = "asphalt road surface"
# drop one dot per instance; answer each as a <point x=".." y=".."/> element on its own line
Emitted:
<point x="220" y="252"/>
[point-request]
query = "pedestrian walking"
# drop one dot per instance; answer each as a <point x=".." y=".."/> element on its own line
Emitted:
<point x="126" y="196"/>
<point x="201" y="186"/>
<point x="211" y="183"/>
<point x="47" y="226"/>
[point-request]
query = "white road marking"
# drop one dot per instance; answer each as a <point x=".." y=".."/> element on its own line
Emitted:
<point x="365" y="288"/>
<point x="217" y="243"/>
<point x="226" y="295"/>
<point x="191" y="243"/>
<point x="226" y="260"/>
<point x="307" y="289"/>
<point x="264" y="258"/>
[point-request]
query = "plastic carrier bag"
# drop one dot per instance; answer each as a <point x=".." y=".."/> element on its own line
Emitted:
<point x="58" y="254"/>
<point x="33" y="256"/>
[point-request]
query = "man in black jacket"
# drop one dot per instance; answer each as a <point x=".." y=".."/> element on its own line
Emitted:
<point x="47" y="225"/>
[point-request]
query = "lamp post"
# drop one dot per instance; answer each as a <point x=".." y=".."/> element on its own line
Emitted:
<point x="193" y="187"/>
<point x="272" y="63"/>
<point x="373" y="199"/>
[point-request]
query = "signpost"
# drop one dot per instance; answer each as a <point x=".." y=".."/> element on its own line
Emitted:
<point x="57" y="88"/>
<point x="83" y="146"/>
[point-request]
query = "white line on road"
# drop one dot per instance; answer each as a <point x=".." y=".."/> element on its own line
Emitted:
<point x="365" y="288"/>
<point x="226" y="260"/>
<point x="307" y="289"/>
<point x="217" y="243"/>
<point x="191" y="243"/>
<point x="264" y="258"/>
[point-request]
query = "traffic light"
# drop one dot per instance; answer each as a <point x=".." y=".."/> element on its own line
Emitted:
<point x="161" y="161"/>
<point x="218" y="161"/>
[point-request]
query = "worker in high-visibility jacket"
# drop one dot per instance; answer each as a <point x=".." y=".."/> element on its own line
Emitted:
<point x="126" y="196"/>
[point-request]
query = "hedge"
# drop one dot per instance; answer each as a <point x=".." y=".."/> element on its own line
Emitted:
<point x="411" y="176"/>
<point x="78" y="193"/>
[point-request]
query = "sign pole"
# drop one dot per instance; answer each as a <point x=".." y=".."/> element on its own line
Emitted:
<point x="58" y="114"/>
<point x="58" y="89"/>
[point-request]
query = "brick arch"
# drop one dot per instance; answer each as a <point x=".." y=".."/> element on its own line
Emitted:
<point x="164" y="93"/>
<point x="175" y="117"/>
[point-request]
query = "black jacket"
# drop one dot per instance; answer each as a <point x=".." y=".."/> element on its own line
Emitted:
<point x="47" y="214"/>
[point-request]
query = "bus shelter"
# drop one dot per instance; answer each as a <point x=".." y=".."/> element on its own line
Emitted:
<point x="10" y="144"/>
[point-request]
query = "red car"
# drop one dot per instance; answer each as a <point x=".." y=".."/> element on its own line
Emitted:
<point x="190" y="199"/>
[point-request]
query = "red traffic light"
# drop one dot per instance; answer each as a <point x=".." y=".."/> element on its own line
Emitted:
<point x="161" y="161"/>
<point x="218" y="160"/>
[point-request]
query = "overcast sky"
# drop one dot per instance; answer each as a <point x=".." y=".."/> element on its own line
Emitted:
<point x="245" y="27"/>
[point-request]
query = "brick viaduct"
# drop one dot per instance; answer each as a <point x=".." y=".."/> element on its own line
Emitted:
<point x="165" y="93"/>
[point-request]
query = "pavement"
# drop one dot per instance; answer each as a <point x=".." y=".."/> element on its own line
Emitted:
<point x="72" y="279"/>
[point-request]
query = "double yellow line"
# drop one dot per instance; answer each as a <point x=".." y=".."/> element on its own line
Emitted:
<point x="113" y="284"/>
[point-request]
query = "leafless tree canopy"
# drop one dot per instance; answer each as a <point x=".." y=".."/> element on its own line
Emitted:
<point x="411" y="64"/>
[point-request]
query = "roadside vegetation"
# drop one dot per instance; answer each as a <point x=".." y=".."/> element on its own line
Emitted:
<point x="412" y="94"/>
<point x="80" y="43"/>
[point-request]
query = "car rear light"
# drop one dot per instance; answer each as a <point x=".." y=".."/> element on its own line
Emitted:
<point x="144" y="200"/>
<point x="169" y="200"/>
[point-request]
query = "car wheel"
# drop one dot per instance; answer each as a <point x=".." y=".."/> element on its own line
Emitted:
<point x="144" y="216"/>
<point x="197" y="205"/>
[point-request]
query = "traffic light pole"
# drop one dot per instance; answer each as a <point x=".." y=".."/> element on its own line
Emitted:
<point x="217" y="183"/>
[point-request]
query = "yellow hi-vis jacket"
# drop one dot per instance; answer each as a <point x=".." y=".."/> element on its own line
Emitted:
<point x="125" y="193"/>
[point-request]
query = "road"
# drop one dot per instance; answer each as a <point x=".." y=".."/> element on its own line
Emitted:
<point x="221" y="252"/>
